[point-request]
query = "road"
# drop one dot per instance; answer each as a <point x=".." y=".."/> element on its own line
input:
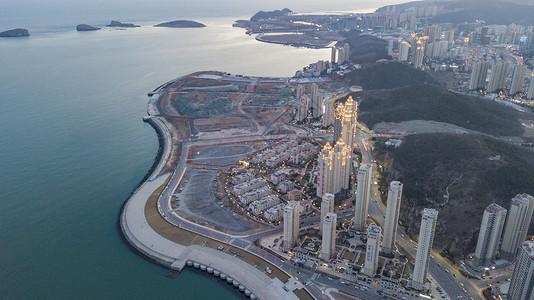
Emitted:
<point x="443" y="275"/>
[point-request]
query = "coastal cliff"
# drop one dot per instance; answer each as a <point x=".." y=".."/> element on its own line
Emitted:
<point x="85" y="27"/>
<point x="181" y="24"/>
<point x="18" y="32"/>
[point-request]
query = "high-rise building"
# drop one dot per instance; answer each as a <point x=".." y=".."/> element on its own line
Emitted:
<point x="340" y="56"/>
<point x="518" y="79"/>
<point x="515" y="231"/>
<point x="327" y="206"/>
<point x="328" y="247"/>
<point x="498" y="76"/>
<point x="404" y="50"/>
<point x="371" y="253"/>
<point x="328" y="112"/>
<point x="530" y="94"/>
<point x="522" y="282"/>
<point x="392" y="217"/>
<point x="390" y="47"/>
<point x="478" y="77"/>
<point x="363" y="191"/>
<point x="333" y="168"/>
<point x="338" y="118"/>
<point x="333" y="56"/>
<point x="346" y="47"/>
<point x="424" y="248"/>
<point x="317" y="101"/>
<point x="418" y="57"/>
<point x="489" y="236"/>
<point x="291" y="224"/>
<point x="300" y="91"/>
<point x="450" y="36"/>
<point x="348" y="122"/>
<point x="302" y="108"/>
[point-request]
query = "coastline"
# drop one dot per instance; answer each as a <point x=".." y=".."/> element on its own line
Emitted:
<point x="144" y="240"/>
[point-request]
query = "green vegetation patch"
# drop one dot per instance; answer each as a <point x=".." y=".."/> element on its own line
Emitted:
<point x="430" y="102"/>
<point x="388" y="75"/>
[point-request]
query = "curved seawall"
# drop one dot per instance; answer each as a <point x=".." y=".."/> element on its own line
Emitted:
<point x="144" y="239"/>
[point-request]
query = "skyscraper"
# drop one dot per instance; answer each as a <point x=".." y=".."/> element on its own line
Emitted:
<point x="291" y="224"/>
<point x="333" y="168"/>
<point x="371" y="252"/>
<point x="490" y="233"/>
<point x="404" y="50"/>
<point x="418" y="57"/>
<point x="317" y="101"/>
<point x="333" y="56"/>
<point x="498" y="76"/>
<point x="328" y="112"/>
<point x="338" y="121"/>
<point x="392" y="217"/>
<point x="302" y="108"/>
<point x="328" y="247"/>
<point x="327" y="206"/>
<point x="424" y="248"/>
<point x="522" y="282"/>
<point x="516" y="229"/>
<point x="530" y="94"/>
<point x="518" y="79"/>
<point x="478" y="77"/>
<point x="363" y="191"/>
<point x="348" y="122"/>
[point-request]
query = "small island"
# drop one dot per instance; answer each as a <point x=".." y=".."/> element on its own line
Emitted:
<point x="119" y="24"/>
<point x="85" y="27"/>
<point x="181" y="24"/>
<point x="18" y="32"/>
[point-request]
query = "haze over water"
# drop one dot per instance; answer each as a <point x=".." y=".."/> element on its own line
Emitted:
<point x="73" y="146"/>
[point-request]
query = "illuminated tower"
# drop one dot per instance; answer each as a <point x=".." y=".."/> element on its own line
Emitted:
<point x="325" y="169"/>
<point x="338" y="121"/>
<point x="348" y="122"/>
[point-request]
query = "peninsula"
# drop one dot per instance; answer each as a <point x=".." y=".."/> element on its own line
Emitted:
<point x="181" y="24"/>
<point x="284" y="187"/>
<point x="18" y="32"/>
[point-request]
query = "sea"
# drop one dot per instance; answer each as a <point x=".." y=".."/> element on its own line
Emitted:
<point x="73" y="145"/>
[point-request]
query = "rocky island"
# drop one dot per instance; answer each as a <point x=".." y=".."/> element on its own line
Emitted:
<point x="85" y="27"/>
<point x="119" y="24"/>
<point x="181" y="24"/>
<point x="18" y="32"/>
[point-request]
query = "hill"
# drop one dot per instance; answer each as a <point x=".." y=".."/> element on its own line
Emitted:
<point x="474" y="170"/>
<point x="388" y="75"/>
<point x="432" y="103"/>
<point x="492" y="12"/>
<point x="265" y="15"/>
<point x="181" y="24"/>
<point x="365" y="48"/>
